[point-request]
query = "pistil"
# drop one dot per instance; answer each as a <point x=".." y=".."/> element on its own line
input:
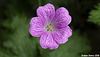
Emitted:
<point x="50" y="27"/>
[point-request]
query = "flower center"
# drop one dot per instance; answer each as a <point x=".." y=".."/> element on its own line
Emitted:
<point x="50" y="27"/>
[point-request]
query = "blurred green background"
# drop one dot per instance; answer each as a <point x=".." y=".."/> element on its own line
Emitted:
<point x="15" y="40"/>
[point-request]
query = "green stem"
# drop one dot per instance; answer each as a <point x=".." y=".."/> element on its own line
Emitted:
<point x="39" y="1"/>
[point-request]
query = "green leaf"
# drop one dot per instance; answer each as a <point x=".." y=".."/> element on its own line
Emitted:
<point x="19" y="44"/>
<point x="4" y="53"/>
<point x="95" y="15"/>
<point x="77" y="44"/>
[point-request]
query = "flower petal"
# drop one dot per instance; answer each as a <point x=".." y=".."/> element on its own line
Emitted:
<point x="46" y="41"/>
<point x="37" y="26"/>
<point x="61" y="35"/>
<point x="62" y="17"/>
<point x="47" y="12"/>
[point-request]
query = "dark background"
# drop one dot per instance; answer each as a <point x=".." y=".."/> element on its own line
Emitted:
<point x="15" y="40"/>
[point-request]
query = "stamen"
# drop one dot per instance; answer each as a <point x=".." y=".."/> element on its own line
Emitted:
<point x="50" y="27"/>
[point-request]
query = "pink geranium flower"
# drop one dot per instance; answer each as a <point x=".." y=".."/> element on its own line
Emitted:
<point x="51" y="26"/>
